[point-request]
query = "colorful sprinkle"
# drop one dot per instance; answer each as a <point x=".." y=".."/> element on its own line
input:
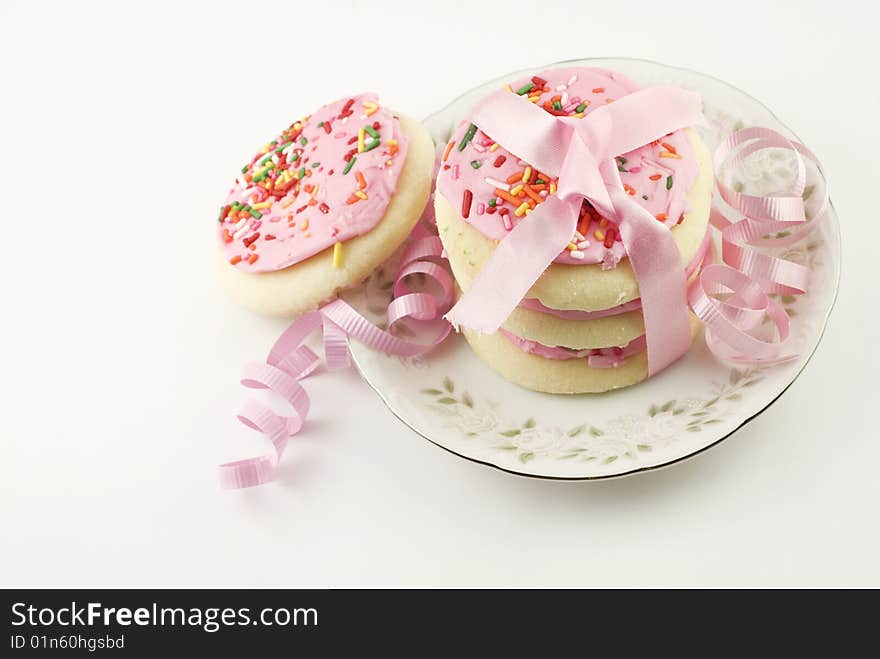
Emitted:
<point x="448" y="149"/>
<point x="532" y="194"/>
<point x="466" y="201"/>
<point x="495" y="183"/>
<point x="468" y="136"/>
<point x="609" y="238"/>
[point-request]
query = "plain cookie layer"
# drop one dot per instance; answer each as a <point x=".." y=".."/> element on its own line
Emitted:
<point x="306" y="285"/>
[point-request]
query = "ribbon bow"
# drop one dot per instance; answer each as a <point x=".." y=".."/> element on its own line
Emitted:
<point x="580" y="153"/>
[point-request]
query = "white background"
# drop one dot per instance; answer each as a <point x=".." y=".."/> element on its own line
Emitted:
<point x="120" y="128"/>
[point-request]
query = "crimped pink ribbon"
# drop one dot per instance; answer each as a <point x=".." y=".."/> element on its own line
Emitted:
<point x="748" y="277"/>
<point x="580" y="152"/>
<point x="290" y="361"/>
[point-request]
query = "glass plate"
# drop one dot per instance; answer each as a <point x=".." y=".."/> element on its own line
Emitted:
<point x="455" y="401"/>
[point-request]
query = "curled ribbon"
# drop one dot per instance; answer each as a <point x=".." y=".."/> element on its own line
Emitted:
<point x="749" y="277"/>
<point x="290" y="361"/>
<point x="580" y="152"/>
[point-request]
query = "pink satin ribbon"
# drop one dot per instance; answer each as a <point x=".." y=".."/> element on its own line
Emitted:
<point x="748" y="277"/>
<point x="290" y="361"/>
<point x="580" y="152"/>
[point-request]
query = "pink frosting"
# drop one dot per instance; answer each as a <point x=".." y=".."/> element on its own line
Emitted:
<point x="658" y="175"/>
<point x="326" y="179"/>
<point x="599" y="357"/>
<point x="632" y="305"/>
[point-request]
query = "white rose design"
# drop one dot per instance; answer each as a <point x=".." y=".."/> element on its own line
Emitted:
<point x="544" y="441"/>
<point x="475" y="422"/>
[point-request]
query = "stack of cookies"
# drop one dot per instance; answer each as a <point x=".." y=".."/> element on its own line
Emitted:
<point x="580" y="327"/>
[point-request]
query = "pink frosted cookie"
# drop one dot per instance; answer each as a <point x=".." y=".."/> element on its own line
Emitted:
<point x="493" y="189"/>
<point x="322" y="205"/>
<point x="580" y="327"/>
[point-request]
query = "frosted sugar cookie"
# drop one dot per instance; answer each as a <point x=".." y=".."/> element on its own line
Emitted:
<point x="318" y="208"/>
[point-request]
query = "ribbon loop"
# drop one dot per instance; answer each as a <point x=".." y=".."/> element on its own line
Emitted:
<point x="544" y="144"/>
<point x="637" y="119"/>
<point x="728" y="323"/>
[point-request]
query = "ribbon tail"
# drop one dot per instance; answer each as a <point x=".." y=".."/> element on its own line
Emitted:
<point x="655" y="260"/>
<point x="515" y="266"/>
